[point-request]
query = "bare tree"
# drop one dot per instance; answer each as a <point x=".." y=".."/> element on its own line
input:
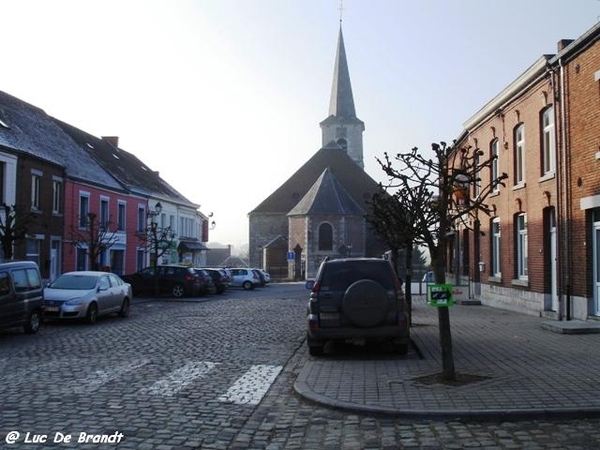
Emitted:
<point x="158" y="241"/>
<point x="94" y="237"/>
<point x="14" y="226"/>
<point x="440" y="194"/>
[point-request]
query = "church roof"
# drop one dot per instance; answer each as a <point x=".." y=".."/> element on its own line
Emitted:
<point x="341" y="103"/>
<point x="356" y="182"/>
<point x="327" y="196"/>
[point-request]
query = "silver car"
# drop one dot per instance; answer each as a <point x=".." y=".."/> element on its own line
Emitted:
<point x="86" y="295"/>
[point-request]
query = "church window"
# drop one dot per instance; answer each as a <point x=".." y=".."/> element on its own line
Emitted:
<point x="342" y="142"/>
<point x="325" y="237"/>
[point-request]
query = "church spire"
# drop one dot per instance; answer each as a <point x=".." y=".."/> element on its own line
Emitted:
<point x="342" y="126"/>
<point x="341" y="103"/>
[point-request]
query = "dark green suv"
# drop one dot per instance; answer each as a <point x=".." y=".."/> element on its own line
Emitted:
<point x="21" y="294"/>
<point x="356" y="300"/>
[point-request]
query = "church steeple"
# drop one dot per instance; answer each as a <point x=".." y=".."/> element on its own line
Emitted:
<point x="341" y="103"/>
<point x="342" y="126"/>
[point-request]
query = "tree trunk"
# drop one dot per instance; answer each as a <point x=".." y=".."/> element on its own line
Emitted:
<point x="437" y="260"/>
<point x="448" y="373"/>
<point x="408" y="283"/>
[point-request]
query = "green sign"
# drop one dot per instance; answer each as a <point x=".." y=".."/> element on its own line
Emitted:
<point x="439" y="295"/>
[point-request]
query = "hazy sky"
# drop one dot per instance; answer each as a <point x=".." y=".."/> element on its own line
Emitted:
<point x="224" y="97"/>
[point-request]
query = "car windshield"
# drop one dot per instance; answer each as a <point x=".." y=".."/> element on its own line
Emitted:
<point x="74" y="282"/>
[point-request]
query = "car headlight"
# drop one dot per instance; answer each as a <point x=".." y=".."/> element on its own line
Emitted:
<point x="74" y="301"/>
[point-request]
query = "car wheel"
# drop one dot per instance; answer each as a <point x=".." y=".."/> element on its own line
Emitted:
<point x="365" y="303"/>
<point x="178" y="291"/>
<point x="124" y="308"/>
<point x="33" y="323"/>
<point x="248" y="285"/>
<point x="92" y="314"/>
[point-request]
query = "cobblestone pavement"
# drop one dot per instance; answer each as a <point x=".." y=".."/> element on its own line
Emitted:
<point x="217" y="373"/>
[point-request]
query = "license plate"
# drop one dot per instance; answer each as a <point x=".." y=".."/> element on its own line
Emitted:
<point x="330" y="316"/>
<point x="51" y="308"/>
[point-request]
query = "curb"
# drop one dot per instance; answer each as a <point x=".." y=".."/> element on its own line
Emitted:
<point x="302" y="388"/>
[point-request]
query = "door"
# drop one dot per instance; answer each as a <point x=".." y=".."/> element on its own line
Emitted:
<point x="54" y="260"/>
<point x="553" y="265"/>
<point x="596" y="243"/>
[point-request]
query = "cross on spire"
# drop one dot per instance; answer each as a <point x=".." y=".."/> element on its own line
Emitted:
<point x="341" y="8"/>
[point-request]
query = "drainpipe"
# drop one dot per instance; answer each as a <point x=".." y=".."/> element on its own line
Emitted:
<point x="566" y="191"/>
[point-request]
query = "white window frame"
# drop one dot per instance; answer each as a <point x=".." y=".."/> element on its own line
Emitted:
<point x="36" y="182"/>
<point x="495" y="167"/>
<point x="121" y="215"/>
<point x="83" y="215"/>
<point x="520" y="154"/>
<point x="522" y="243"/>
<point x="496" y="232"/>
<point x="548" y="141"/>
<point x="104" y="211"/>
<point x="57" y="192"/>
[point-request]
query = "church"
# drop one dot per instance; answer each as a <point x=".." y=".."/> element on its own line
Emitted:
<point x="320" y="210"/>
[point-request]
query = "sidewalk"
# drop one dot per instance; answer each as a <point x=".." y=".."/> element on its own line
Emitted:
<point x="514" y="367"/>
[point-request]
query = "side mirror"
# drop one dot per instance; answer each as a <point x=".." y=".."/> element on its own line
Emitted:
<point x="309" y="284"/>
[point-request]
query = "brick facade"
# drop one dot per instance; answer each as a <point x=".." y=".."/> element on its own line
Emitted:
<point x="557" y="104"/>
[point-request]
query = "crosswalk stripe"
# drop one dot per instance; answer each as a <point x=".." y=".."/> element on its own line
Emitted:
<point x="101" y="377"/>
<point x="179" y="378"/>
<point x="252" y="386"/>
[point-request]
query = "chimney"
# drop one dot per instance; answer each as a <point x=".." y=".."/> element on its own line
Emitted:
<point x="563" y="43"/>
<point x="112" y="140"/>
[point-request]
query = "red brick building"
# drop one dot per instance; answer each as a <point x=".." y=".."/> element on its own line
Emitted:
<point x="539" y="251"/>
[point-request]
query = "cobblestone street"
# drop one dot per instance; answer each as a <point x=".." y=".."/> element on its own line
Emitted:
<point x="214" y="373"/>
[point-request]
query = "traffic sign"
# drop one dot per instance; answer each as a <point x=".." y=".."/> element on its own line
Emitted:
<point x="440" y="295"/>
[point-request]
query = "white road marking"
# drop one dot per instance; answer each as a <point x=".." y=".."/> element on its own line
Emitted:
<point x="251" y="387"/>
<point x="179" y="379"/>
<point x="93" y="381"/>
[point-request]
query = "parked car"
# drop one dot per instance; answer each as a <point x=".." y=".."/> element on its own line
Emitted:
<point x="356" y="300"/>
<point x="428" y="277"/>
<point x="220" y="279"/>
<point x="173" y="279"/>
<point x="264" y="276"/>
<point x="86" y="295"/>
<point x="21" y="294"/>
<point x="261" y="277"/>
<point x="245" y="278"/>
<point x="207" y="282"/>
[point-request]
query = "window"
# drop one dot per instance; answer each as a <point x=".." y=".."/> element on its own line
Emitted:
<point x="32" y="250"/>
<point x="325" y="237"/>
<point x="84" y="209"/>
<point x="2" y="181"/>
<point x="36" y="180"/>
<point x="104" y="215"/>
<point x="494" y="155"/>
<point x="121" y="216"/>
<point x="519" y="154"/>
<point x="495" y="250"/>
<point x="57" y="195"/>
<point x="521" y="235"/>
<point x="548" y="141"/>
<point x="141" y="219"/>
<point x="140" y="259"/>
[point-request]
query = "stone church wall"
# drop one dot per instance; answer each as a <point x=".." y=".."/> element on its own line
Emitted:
<point x="263" y="228"/>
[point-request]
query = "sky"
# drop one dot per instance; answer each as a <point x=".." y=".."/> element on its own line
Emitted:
<point x="224" y="97"/>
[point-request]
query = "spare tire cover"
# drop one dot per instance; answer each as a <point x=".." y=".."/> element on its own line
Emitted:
<point x="365" y="303"/>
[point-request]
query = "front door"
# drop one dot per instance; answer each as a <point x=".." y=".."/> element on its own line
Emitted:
<point x="553" y="276"/>
<point x="596" y="285"/>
